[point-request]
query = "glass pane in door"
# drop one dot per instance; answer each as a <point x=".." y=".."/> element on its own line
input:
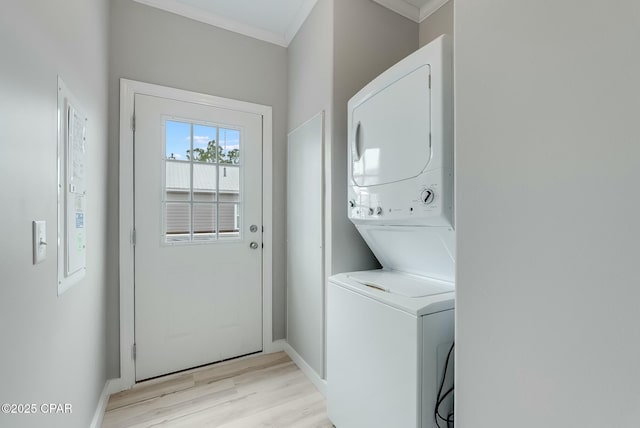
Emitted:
<point x="203" y="176"/>
<point x="177" y="222"/>
<point x="177" y="140"/>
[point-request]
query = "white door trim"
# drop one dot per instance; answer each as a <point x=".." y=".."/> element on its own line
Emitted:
<point x="128" y="90"/>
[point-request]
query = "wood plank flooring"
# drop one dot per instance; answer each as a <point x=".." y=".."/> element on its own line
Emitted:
<point x="252" y="392"/>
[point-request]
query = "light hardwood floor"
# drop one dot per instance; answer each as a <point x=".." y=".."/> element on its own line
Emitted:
<point x="260" y="391"/>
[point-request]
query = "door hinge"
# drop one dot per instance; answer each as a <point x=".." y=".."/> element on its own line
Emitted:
<point x="133" y="122"/>
<point x="133" y="237"/>
<point x="429" y="81"/>
<point x="134" y="350"/>
<point x="430" y="139"/>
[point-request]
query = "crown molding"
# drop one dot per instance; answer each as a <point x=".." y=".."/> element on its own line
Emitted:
<point x="410" y="11"/>
<point x="200" y="15"/>
<point x="430" y="8"/>
<point x="403" y="8"/>
<point x="300" y="18"/>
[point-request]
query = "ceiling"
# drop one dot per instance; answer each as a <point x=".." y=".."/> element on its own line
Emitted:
<point x="274" y="21"/>
<point x="416" y="10"/>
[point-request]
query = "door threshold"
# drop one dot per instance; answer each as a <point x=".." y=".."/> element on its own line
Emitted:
<point x="191" y="370"/>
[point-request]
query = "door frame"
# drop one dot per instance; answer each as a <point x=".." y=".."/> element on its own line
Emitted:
<point x="128" y="91"/>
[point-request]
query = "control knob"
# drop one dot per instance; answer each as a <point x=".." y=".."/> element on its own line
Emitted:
<point x="427" y="196"/>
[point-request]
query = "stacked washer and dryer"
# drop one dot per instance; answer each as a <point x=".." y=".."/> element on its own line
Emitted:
<point x="389" y="331"/>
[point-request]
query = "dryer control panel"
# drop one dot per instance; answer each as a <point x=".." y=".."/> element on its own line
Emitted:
<point x="419" y="201"/>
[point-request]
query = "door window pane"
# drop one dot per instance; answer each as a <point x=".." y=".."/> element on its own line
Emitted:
<point x="229" y="182"/>
<point x="200" y="196"/>
<point x="204" y="222"/>
<point x="229" y="146"/>
<point x="173" y="196"/>
<point x="205" y="184"/>
<point x="204" y="144"/>
<point x="177" y="140"/>
<point x="177" y="181"/>
<point x="202" y="182"/>
<point x="177" y="222"/>
<point x="229" y="197"/>
<point x="229" y="220"/>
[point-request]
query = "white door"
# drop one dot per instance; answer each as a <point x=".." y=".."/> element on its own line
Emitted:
<point x="198" y="225"/>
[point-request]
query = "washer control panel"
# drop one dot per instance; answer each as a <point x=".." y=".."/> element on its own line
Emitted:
<point x="423" y="200"/>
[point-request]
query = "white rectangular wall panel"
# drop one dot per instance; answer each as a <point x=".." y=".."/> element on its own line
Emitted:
<point x="72" y="189"/>
<point x="305" y="229"/>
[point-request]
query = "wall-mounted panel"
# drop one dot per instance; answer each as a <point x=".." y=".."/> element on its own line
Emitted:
<point x="72" y="189"/>
<point x="305" y="229"/>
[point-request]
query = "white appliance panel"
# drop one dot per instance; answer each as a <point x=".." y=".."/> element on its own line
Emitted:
<point x="383" y="364"/>
<point x="402" y="203"/>
<point x="372" y="362"/>
<point x="400" y="283"/>
<point x="391" y="143"/>
<point x="436" y="301"/>
<point x="401" y="138"/>
<point x="437" y="338"/>
<point x="424" y="251"/>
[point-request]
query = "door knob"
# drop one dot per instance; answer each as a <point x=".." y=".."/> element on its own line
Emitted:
<point x="254" y="245"/>
<point x="253" y="228"/>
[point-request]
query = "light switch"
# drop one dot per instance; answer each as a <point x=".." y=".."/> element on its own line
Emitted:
<point x="39" y="241"/>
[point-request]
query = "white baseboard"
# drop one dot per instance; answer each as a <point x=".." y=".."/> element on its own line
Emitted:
<point x="275" y="346"/>
<point x="118" y="385"/>
<point x="311" y="374"/>
<point x="96" y="422"/>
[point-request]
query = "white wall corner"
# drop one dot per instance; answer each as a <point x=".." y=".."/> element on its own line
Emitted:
<point x="403" y="8"/>
<point x="302" y="15"/>
<point x="430" y="8"/>
<point x="275" y="346"/>
<point x="101" y="407"/>
<point x="305" y="368"/>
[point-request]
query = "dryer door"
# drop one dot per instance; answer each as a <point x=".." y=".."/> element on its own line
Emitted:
<point x="390" y="131"/>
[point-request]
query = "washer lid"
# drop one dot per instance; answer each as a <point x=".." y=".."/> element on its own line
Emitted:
<point x="401" y="283"/>
<point x="383" y="286"/>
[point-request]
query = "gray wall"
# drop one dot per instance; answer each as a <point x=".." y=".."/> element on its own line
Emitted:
<point x="158" y="47"/>
<point x="310" y="72"/>
<point x="53" y="348"/>
<point x="438" y="23"/>
<point x="340" y="48"/>
<point x="368" y="39"/>
<point x="547" y="225"/>
<point x="310" y="66"/>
